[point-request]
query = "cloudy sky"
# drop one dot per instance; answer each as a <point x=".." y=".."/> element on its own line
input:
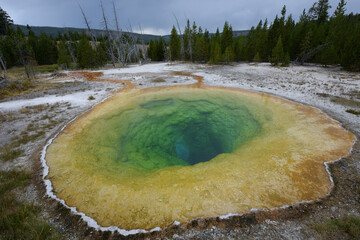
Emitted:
<point x="157" y="16"/>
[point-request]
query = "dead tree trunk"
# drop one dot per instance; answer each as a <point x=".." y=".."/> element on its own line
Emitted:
<point x="182" y="50"/>
<point x="305" y="56"/>
<point x="109" y="37"/>
<point x="2" y="65"/>
<point x="71" y="51"/>
<point x="133" y="47"/>
<point x="92" y="35"/>
<point x="143" y="46"/>
<point x="23" y="55"/>
<point x="119" y="42"/>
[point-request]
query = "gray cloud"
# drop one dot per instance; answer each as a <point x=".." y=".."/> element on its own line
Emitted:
<point x="156" y="17"/>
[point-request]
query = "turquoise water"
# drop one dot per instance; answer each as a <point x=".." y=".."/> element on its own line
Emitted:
<point x="173" y="131"/>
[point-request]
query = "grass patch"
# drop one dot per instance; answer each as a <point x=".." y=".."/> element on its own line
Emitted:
<point x="345" y="102"/>
<point x="47" y="68"/>
<point x="23" y="138"/>
<point x="349" y="225"/>
<point x="20" y="220"/>
<point x="7" y="153"/>
<point x="357" y="113"/>
<point x="158" y="80"/>
<point x="34" y="109"/>
<point x="50" y="125"/>
<point x="2" y="118"/>
<point x="355" y="94"/>
<point x="16" y="87"/>
<point x="11" y="180"/>
<point x="19" y="84"/>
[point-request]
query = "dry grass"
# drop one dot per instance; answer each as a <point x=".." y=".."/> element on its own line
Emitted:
<point x="158" y="80"/>
<point x="20" y="84"/>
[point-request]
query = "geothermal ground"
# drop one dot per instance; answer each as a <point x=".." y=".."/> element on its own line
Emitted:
<point x="28" y="121"/>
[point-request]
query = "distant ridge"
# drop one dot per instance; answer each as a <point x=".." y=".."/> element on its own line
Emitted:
<point x="53" y="31"/>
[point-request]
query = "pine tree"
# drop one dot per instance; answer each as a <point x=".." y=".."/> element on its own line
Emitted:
<point x="226" y="37"/>
<point x="287" y="32"/>
<point x="160" y="49"/>
<point x="101" y="56"/>
<point x="340" y="10"/>
<point x="86" y="55"/>
<point x="187" y="41"/>
<point x="5" y="22"/>
<point x="250" y="44"/>
<point x="194" y="37"/>
<point x="329" y="56"/>
<point x="306" y="45"/>
<point x="47" y="50"/>
<point x="64" y="59"/>
<point x="229" y="54"/>
<point x="273" y="35"/>
<point x="216" y="56"/>
<point x="201" y="52"/>
<point x="320" y="11"/>
<point x="175" y="45"/>
<point x="33" y="43"/>
<point x="350" y="58"/>
<point x="286" y="61"/>
<point x="152" y="50"/>
<point x="277" y="56"/>
<point x="9" y="50"/>
<point x="257" y="57"/>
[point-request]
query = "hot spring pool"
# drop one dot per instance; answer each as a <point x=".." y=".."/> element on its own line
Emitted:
<point x="146" y="158"/>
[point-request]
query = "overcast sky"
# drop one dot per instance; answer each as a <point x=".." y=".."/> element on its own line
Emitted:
<point x="157" y="17"/>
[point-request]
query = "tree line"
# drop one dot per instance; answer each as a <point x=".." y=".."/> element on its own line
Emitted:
<point x="316" y="37"/>
<point x="69" y="50"/>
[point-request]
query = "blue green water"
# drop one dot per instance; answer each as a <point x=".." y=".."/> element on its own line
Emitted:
<point x="170" y="131"/>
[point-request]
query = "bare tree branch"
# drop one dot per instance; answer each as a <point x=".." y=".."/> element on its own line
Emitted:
<point x="305" y="56"/>
<point x="93" y="37"/>
<point x="181" y="38"/>
<point x="109" y="38"/>
<point x="2" y="65"/>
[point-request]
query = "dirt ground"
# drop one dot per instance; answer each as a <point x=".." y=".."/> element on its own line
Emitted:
<point x="28" y="121"/>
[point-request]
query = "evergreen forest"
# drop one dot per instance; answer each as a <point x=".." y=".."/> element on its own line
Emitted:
<point x="319" y="36"/>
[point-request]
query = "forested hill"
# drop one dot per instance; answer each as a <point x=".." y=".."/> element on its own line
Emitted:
<point x="53" y="32"/>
